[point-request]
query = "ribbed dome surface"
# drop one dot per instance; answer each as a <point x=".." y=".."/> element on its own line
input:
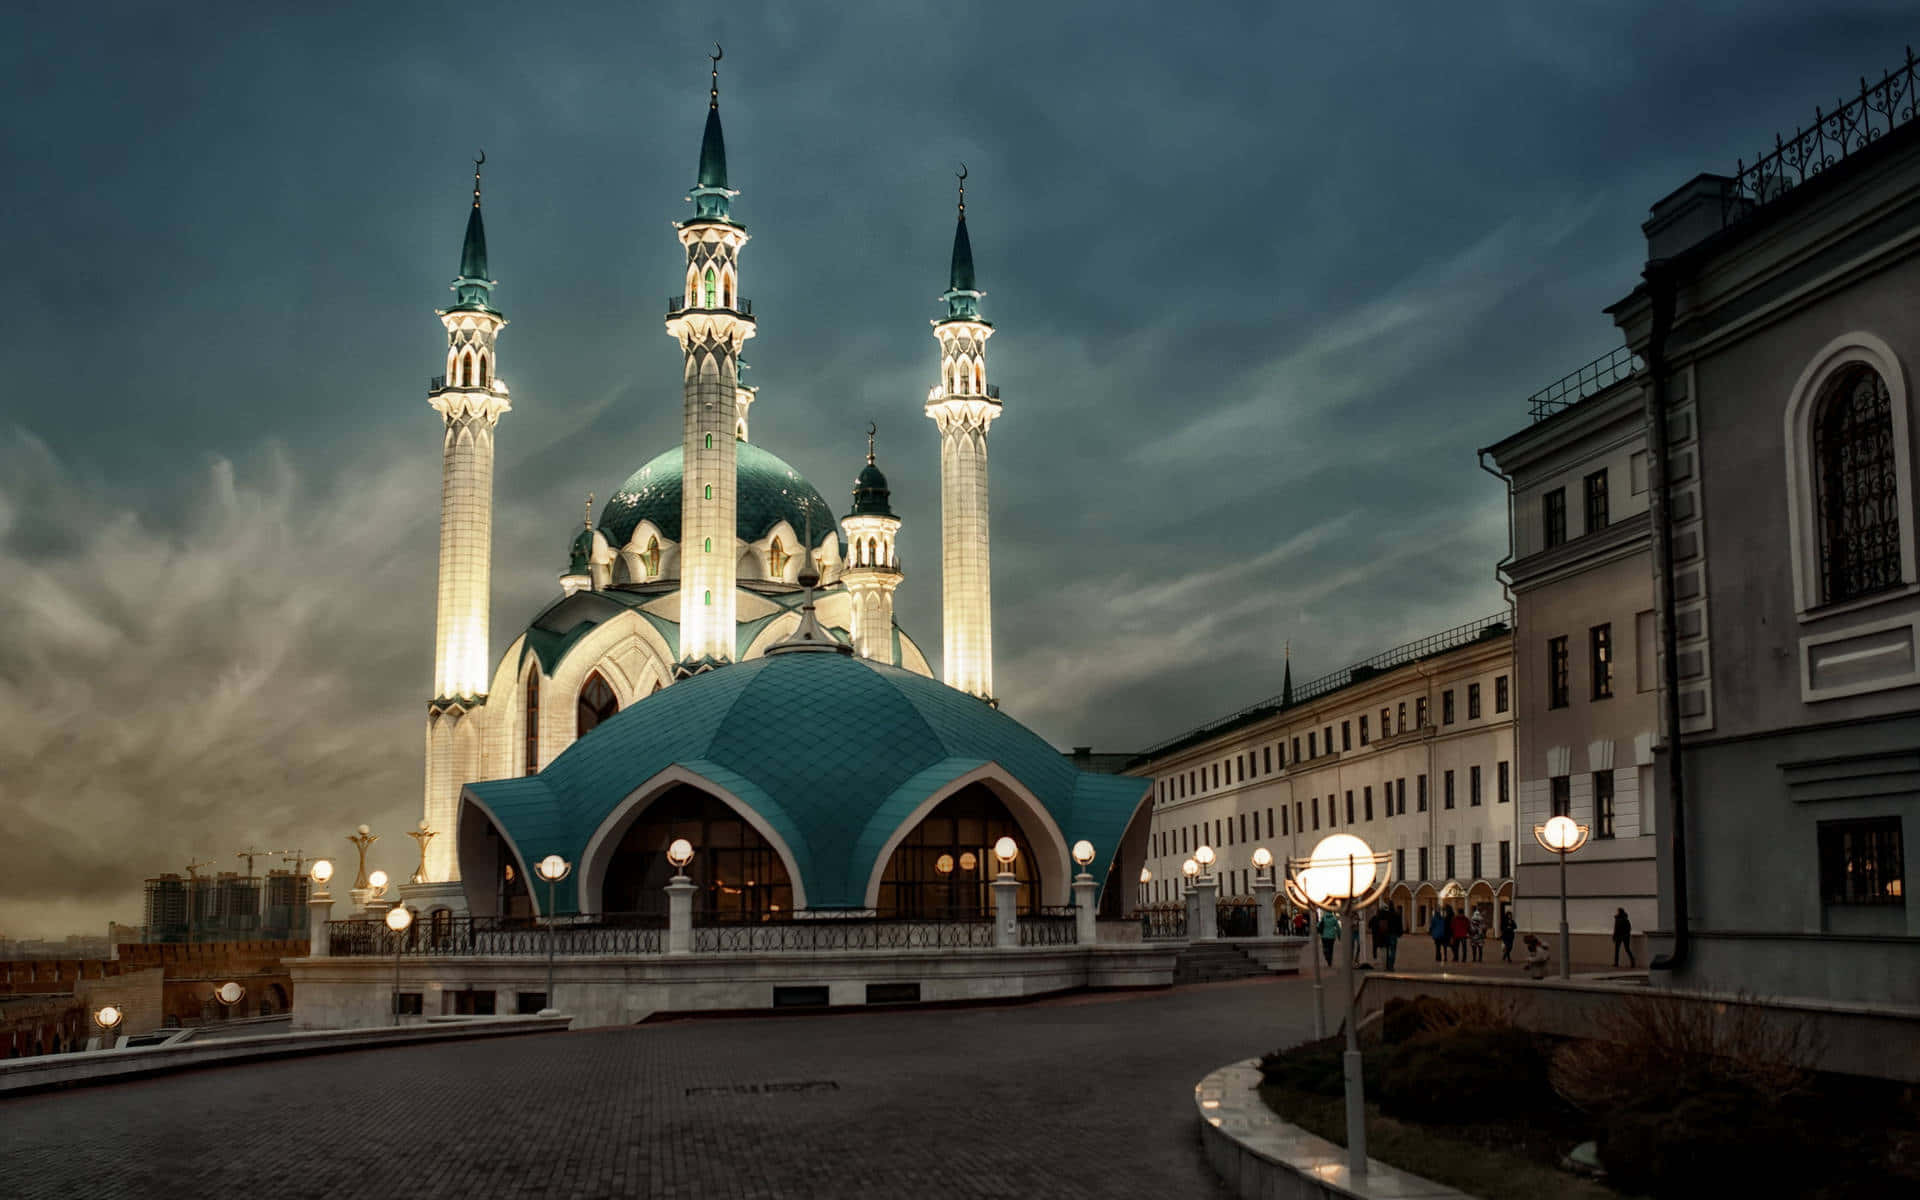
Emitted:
<point x="769" y="491"/>
<point x="834" y="752"/>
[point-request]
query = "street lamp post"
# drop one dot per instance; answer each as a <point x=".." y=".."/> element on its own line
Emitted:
<point x="1344" y="871"/>
<point x="1085" y="911"/>
<point x="108" y="1018"/>
<point x="398" y="918"/>
<point x="553" y="869"/>
<point x="1146" y="886"/>
<point x="1561" y="836"/>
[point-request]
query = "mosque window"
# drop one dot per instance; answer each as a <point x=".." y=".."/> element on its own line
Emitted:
<point x="709" y="289"/>
<point x="709" y="441"/>
<point x="597" y="702"/>
<point x="532" y="747"/>
<point x="709" y="496"/>
<point x="709" y="545"/>
<point x="485" y="374"/>
<point x="707" y="598"/>
<point x="777" y="558"/>
<point x="652" y="557"/>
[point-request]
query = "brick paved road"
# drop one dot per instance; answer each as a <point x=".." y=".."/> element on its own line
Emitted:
<point x="1079" y="1097"/>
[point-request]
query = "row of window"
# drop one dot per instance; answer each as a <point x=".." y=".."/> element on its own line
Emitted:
<point x="1561" y="801"/>
<point x="1600" y="663"/>
<point x="1553" y="508"/>
<point x="596" y="703"/>
<point x="1184" y="839"/>
<point x="1265" y="761"/>
<point x="1238" y="882"/>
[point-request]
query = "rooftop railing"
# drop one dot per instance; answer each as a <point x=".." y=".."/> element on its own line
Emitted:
<point x="1366" y="668"/>
<point x="1596" y="376"/>
<point x="1852" y="126"/>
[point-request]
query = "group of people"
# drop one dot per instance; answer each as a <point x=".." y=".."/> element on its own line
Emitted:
<point x="1455" y="932"/>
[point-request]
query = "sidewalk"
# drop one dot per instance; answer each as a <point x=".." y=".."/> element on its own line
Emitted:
<point x="1416" y="958"/>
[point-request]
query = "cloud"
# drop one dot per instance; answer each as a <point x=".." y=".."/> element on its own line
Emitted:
<point x="243" y="679"/>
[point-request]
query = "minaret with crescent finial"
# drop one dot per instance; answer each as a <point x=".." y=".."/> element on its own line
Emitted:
<point x="873" y="562"/>
<point x="712" y="323"/>
<point x="963" y="405"/>
<point x="470" y="399"/>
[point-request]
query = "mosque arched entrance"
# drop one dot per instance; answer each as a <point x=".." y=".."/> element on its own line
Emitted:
<point x="945" y="867"/>
<point x="737" y="873"/>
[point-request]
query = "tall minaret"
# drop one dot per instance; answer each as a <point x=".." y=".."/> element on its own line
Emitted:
<point x="962" y="405"/>
<point x="712" y="324"/>
<point x="469" y="398"/>
<point x="873" y="564"/>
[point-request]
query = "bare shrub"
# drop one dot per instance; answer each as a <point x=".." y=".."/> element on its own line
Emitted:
<point x="1491" y="1011"/>
<point x="1650" y="1045"/>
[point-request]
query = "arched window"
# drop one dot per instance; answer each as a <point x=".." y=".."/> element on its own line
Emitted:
<point x="709" y="441"/>
<point x="1857" y="494"/>
<point x="979" y="379"/>
<point x="709" y="290"/>
<point x="707" y="598"/>
<point x="597" y="702"/>
<point x="532" y="718"/>
<point x="709" y="491"/>
<point x="652" y="557"/>
<point x="777" y="557"/>
<point x="726" y="289"/>
<point x="709" y="546"/>
<point x="873" y="553"/>
<point x="485" y="373"/>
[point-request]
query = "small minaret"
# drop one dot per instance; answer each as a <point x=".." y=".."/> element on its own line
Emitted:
<point x="470" y="399"/>
<point x="578" y="576"/>
<point x="962" y="405"/>
<point x="711" y="323"/>
<point x="873" y="564"/>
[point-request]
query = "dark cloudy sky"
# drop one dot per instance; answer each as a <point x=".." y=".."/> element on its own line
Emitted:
<point x="1265" y="276"/>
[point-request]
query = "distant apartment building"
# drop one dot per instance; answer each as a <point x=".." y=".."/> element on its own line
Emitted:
<point x="1586" y="677"/>
<point x="1411" y="750"/>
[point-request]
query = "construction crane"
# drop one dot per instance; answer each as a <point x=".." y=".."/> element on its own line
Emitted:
<point x="250" y="854"/>
<point x="193" y="895"/>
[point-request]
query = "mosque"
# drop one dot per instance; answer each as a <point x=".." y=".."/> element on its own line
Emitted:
<point x="722" y="661"/>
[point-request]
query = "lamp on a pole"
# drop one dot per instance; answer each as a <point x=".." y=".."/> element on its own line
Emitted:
<point x="398" y="918"/>
<point x="1204" y="856"/>
<point x="108" y="1018"/>
<point x="1561" y="836"/>
<point x="1146" y="886"/>
<point x="553" y="869"/>
<point x="1344" y="873"/>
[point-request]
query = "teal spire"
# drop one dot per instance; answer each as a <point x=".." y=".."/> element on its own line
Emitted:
<point x="580" y="554"/>
<point x="962" y="297"/>
<point x="871" y="497"/>
<point x="711" y="196"/>
<point x="473" y="290"/>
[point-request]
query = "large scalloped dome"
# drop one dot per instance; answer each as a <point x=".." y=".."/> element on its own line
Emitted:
<point x="835" y="752"/>
<point x="769" y="492"/>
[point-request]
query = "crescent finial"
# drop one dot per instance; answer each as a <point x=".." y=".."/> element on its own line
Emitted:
<point x="718" y="53"/>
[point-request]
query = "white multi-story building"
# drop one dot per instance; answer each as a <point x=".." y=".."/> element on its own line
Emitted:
<point x="1587" y="689"/>
<point x="1411" y="750"/>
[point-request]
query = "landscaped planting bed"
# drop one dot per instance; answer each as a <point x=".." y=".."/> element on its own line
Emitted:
<point x="1677" y="1105"/>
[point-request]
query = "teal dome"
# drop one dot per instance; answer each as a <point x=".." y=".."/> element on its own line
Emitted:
<point x="833" y="752"/>
<point x="580" y="554"/>
<point x="769" y="491"/>
<point x="870" y="494"/>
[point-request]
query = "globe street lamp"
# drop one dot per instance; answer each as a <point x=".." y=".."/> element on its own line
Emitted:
<point x="1204" y="856"/>
<point x="1346" y="873"/>
<point x="1006" y="850"/>
<point x="1560" y="836"/>
<point x="398" y="918"/>
<point x="553" y="869"/>
<point x="230" y="993"/>
<point x="108" y="1018"/>
<point x="1146" y="886"/>
<point x="680" y="898"/>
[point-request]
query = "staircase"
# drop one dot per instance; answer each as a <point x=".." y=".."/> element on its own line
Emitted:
<point x="1210" y="962"/>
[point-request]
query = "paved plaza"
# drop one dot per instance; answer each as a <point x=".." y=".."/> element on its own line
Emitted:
<point x="1081" y="1096"/>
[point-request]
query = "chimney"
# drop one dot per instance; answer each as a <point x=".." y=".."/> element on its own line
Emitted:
<point x="1697" y="210"/>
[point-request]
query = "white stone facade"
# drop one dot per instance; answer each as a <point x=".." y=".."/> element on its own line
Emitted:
<point x="1388" y="758"/>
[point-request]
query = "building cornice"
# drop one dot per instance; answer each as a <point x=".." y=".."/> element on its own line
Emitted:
<point x="1622" y="539"/>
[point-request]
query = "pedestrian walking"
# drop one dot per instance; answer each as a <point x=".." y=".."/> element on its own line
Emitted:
<point x="1461" y="930"/>
<point x="1437" y="930"/>
<point x="1329" y="934"/>
<point x="1478" y="933"/>
<point x="1396" y="926"/>
<point x="1377" y="931"/>
<point x="1508" y="929"/>
<point x="1622" y="937"/>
